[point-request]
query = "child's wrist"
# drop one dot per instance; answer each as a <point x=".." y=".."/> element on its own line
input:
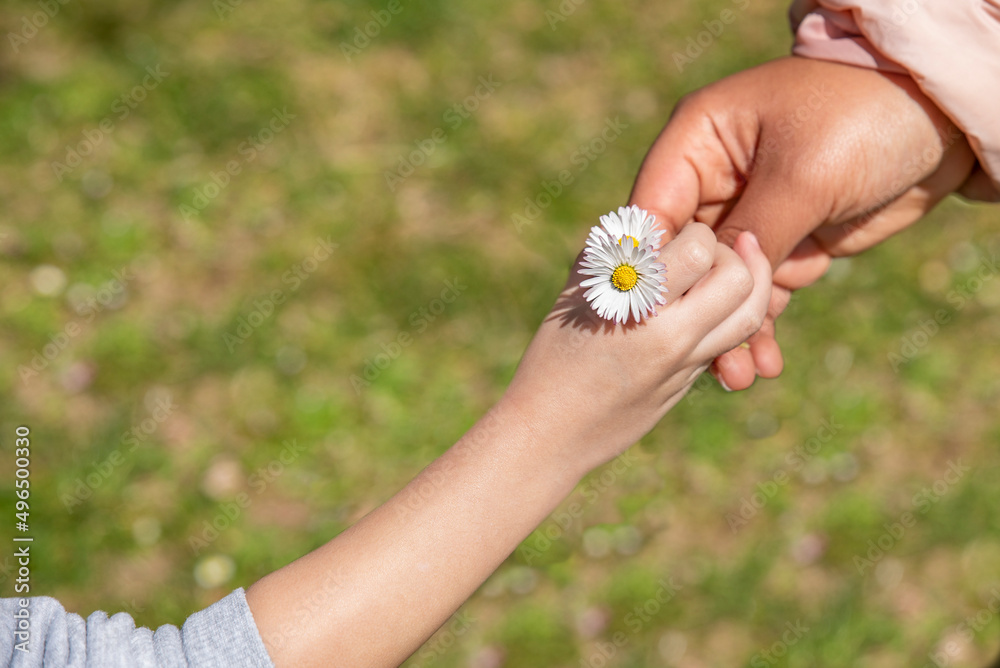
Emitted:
<point x="535" y="441"/>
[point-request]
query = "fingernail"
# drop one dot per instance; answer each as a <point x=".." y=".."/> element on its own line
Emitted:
<point x="721" y="382"/>
<point x="745" y="344"/>
<point x="754" y="239"/>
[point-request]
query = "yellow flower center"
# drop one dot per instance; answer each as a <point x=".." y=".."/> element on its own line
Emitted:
<point x="635" y="242"/>
<point x="624" y="278"/>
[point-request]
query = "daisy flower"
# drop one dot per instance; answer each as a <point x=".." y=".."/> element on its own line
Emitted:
<point x="625" y="278"/>
<point x="631" y="222"/>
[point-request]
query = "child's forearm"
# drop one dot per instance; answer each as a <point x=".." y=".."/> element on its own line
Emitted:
<point x="375" y="593"/>
<point x="584" y="392"/>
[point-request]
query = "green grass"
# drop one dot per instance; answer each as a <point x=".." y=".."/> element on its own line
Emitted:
<point x="198" y="275"/>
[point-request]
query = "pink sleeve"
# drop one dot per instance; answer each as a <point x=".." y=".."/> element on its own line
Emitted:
<point x="951" y="48"/>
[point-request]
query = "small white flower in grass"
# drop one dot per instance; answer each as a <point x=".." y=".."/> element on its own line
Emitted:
<point x="630" y="222"/>
<point x="626" y="278"/>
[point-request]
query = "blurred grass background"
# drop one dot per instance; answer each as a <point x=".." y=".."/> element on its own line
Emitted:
<point x="117" y="518"/>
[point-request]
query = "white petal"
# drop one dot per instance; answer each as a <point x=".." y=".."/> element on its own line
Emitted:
<point x="593" y="281"/>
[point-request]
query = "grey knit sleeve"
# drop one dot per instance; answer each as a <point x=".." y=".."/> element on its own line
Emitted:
<point x="221" y="635"/>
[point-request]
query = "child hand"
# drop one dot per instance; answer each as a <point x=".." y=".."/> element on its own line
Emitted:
<point x="601" y="386"/>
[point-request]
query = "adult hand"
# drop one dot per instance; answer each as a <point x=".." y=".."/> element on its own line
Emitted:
<point x="818" y="159"/>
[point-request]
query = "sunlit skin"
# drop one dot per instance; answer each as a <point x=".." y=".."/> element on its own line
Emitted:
<point x="818" y="159"/>
<point x="829" y="184"/>
<point x="375" y="593"/>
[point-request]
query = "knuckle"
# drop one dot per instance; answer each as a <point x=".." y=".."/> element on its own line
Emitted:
<point x="687" y="102"/>
<point x="695" y="257"/>
<point x="741" y="281"/>
<point x="696" y="102"/>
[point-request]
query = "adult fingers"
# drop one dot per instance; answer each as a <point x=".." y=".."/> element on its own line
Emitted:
<point x="806" y="265"/>
<point x="778" y="216"/>
<point x="873" y="228"/>
<point x="760" y="355"/>
<point x="764" y="348"/>
<point x="686" y="168"/>
<point x="900" y="208"/>
<point x="980" y="187"/>
<point x="735" y="368"/>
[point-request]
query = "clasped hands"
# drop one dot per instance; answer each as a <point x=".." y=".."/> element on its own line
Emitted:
<point x="791" y="163"/>
<point x="817" y="159"/>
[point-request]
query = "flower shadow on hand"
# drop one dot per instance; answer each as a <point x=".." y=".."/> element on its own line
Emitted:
<point x="573" y="310"/>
